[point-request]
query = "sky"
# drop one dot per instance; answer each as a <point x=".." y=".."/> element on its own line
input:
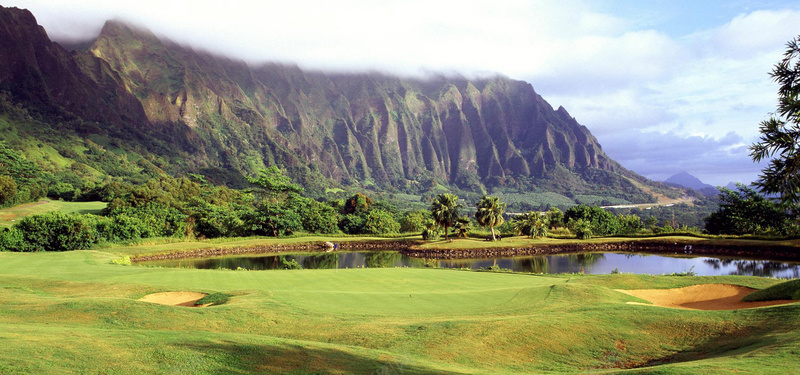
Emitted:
<point x="665" y="85"/>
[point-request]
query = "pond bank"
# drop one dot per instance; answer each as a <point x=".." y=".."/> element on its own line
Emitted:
<point x="279" y="248"/>
<point x="690" y="248"/>
<point x="410" y="248"/>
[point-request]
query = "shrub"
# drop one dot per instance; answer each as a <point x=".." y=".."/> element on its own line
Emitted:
<point x="430" y="234"/>
<point x="121" y="228"/>
<point x="380" y="222"/>
<point x="317" y="217"/>
<point x="214" y="299"/>
<point x="11" y="239"/>
<point x="415" y="221"/>
<point x="124" y="261"/>
<point x="56" y="231"/>
<point x="352" y="224"/>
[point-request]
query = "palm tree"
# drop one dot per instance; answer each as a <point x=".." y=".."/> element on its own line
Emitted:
<point x="444" y="210"/>
<point x="532" y="224"/>
<point x="523" y="223"/>
<point x="462" y="226"/>
<point x="539" y="227"/>
<point x="490" y="213"/>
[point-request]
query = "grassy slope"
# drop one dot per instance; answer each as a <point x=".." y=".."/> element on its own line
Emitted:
<point x="76" y="313"/>
<point x="8" y="216"/>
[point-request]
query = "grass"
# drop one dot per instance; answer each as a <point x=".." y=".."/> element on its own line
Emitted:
<point x="76" y="312"/>
<point x="9" y="216"/>
<point x="786" y="290"/>
<point x="214" y="299"/>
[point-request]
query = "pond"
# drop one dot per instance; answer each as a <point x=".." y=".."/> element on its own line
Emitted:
<point x="590" y="263"/>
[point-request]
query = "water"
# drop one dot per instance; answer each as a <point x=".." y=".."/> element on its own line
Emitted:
<point x="590" y="263"/>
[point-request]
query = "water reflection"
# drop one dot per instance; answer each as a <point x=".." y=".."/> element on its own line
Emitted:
<point x="755" y="267"/>
<point x="590" y="263"/>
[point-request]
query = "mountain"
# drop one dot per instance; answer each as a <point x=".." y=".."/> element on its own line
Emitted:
<point x="684" y="179"/>
<point x="180" y="110"/>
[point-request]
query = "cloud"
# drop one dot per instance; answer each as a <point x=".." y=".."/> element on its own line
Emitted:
<point x="689" y="95"/>
<point x="660" y="155"/>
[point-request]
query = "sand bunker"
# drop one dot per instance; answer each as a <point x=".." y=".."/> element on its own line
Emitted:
<point x="175" y="298"/>
<point x="702" y="297"/>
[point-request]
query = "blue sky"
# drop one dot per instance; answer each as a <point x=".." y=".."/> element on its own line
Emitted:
<point x="665" y="85"/>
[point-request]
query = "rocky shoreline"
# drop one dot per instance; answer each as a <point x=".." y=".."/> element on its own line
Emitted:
<point x="269" y="249"/>
<point x="409" y="248"/>
<point x="648" y="247"/>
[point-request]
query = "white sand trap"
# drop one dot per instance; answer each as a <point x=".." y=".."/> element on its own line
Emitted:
<point x="702" y="297"/>
<point x="175" y="298"/>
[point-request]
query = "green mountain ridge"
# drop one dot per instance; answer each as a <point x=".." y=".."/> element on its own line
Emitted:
<point x="178" y="110"/>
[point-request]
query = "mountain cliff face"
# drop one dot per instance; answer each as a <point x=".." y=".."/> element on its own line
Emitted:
<point x="220" y="114"/>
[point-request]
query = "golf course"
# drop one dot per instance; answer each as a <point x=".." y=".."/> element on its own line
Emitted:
<point x="81" y="312"/>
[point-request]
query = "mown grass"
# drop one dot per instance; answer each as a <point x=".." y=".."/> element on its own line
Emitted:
<point x="9" y="216"/>
<point x="786" y="290"/>
<point x="75" y="312"/>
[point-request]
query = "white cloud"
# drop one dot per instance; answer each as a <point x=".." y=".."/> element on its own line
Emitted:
<point x="620" y="73"/>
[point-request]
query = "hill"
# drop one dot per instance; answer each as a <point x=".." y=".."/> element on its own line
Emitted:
<point x="684" y="179"/>
<point x="172" y="109"/>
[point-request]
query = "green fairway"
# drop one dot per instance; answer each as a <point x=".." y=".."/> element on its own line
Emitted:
<point x="9" y="216"/>
<point x="75" y="312"/>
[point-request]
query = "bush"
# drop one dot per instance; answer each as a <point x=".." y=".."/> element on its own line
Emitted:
<point x="156" y="219"/>
<point x="352" y="224"/>
<point x="56" y="231"/>
<point x="415" y="221"/>
<point x="121" y="228"/>
<point x="214" y="299"/>
<point x="317" y="217"/>
<point x="380" y="222"/>
<point x="272" y="220"/>
<point x="430" y="234"/>
<point x="11" y="239"/>
<point x="124" y="261"/>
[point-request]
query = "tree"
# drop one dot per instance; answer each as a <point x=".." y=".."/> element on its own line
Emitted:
<point x="274" y="216"/>
<point x="523" y="223"/>
<point x="780" y="135"/>
<point x="275" y="186"/>
<point x="490" y="213"/>
<point x="380" y="222"/>
<point x="444" y="210"/>
<point x="581" y="227"/>
<point x="273" y="220"/>
<point x="462" y="226"/>
<point x="531" y="224"/>
<point x="316" y="217"/>
<point x="539" y="228"/>
<point x="602" y="222"/>
<point x="414" y="221"/>
<point x="8" y="189"/>
<point x="745" y="211"/>
<point x="555" y="217"/>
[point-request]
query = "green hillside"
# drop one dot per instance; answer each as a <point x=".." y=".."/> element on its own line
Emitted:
<point x="133" y="106"/>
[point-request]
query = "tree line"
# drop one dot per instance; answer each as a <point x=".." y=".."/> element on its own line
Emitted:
<point x="189" y="207"/>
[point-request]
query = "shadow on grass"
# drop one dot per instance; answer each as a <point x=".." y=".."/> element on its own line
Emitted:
<point x="233" y="357"/>
<point x="740" y="341"/>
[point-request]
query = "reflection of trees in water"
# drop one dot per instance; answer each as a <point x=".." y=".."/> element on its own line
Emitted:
<point x="540" y="264"/>
<point x="587" y="259"/>
<point x="321" y="261"/>
<point x="574" y="262"/>
<point x="381" y="259"/>
<point x="762" y="268"/>
<point x="249" y="263"/>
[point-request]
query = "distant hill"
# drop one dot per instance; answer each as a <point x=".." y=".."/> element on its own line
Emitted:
<point x="167" y="108"/>
<point x="684" y="179"/>
<point x="687" y="180"/>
